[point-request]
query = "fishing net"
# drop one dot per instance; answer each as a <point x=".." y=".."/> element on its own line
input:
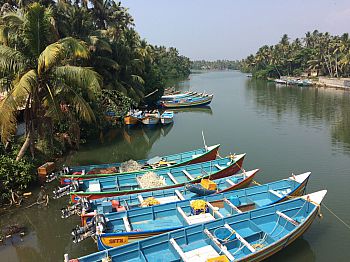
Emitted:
<point x="151" y="179"/>
<point x="129" y="166"/>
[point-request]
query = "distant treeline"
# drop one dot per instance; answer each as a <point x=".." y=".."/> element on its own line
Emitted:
<point x="215" y="65"/>
<point x="314" y="55"/>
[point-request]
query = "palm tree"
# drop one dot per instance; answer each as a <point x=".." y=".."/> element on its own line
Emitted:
<point x="44" y="78"/>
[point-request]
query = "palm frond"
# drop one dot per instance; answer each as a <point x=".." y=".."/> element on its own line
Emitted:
<point x="83" y="78"/>
<point x="24" y="87"/>
<point x="8" y="122"/>
<point x="4" y="34"/>
<point x="37" y="28"/>
<point x="103" y="61"/>
<point x="81" y="107"/>
<point x="75" y="48"/>
<point x="50" y="57"/>
<point x="13" y="19"/>
<point x="137" y="79"/>
<point x="99" y="43"/>
<point x="11" y="60"/>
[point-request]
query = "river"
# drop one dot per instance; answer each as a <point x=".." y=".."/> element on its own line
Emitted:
<point x="283" y="130"/>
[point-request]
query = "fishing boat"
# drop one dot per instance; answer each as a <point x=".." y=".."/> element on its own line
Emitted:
<point x="67" y="174"/>
<point x="280" y="81"/>
<point x="132" y="118"/>
<point x="177" y="96"/>
<point x="167" y="117"/>
<point x="188" y="102"/>
<point x="138" y="182"/>
<point x="132" y="201"/>
<point x="249" y="236"/>
<point x="140" y="223"/>
<point x="151" y="118"/>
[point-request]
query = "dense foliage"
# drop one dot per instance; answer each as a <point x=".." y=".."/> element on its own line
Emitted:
<point x="215" y="65"/>
<point x="315" y="54"/>
<point x="69" y="65"/>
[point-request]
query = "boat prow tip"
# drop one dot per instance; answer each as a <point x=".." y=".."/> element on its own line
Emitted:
<point x="301" y="177"/>
<point x="316" y="197"/>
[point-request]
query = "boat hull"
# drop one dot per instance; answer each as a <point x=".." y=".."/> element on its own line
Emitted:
<point x="130" y="121"/>
<point x="208" y="156"/>
<point x="199" y="102"/>
<point x="107" y="240"/>
<point x="166" y="121"/>
<point x="234" y="168"/>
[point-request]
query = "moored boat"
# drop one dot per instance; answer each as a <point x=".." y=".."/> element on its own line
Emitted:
<point x="139" y="223"/>
<point x="90" y="171"/>
<point x="248" y="236"/>
<point x="138" y="182"/>
<point x="132" y="118"/>
<point x="167" y="117"/>
<point x="280" y="81"/>
<point x="132" y="201"/>
<point x="204" y="99"/>
<point x="151" y="118"/>
<point x="177" y="96"/>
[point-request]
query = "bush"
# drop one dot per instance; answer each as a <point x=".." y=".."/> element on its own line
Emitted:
<point x="14" y="175"/>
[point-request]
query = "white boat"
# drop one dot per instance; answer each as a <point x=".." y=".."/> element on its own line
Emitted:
<point x="167" y="117"/>
<point x="280" y="81"/>
<point x="151" y="118"/>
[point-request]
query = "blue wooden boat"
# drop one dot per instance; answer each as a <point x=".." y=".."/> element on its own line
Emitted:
<point x="90" y="171"/>
<point x="167" y="118"/>
<point x="188" y="102"/>
<point x="249" y="236"/>
<point x="132" y="201"/>
<point x="140" y="223"/>
<point x="138" y="182"/>
<point x="178" y="96"/>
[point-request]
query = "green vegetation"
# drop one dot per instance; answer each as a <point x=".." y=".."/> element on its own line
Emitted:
<point x="215" y="65"/>
<point x="68" y="63"/>
<point x="315" y="54"/>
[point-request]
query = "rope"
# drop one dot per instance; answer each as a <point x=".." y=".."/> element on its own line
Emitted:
<point x="256" y="183"/>
<point x="342" y="221"/>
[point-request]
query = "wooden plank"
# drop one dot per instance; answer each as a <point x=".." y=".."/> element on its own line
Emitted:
<point x="187" y="174"/>
<point x="275" y="193"/>
<point x="179" y="195"/>
<point x="214" y="210"/>
<point x="126" y="224"/>
<point x="289" y="219"/>
<point x="140" y="198"/>
<point x="240" y="238"/>
<point x="219" y="167"/>
<point x="232" y="205"/>
<point x="172" y="178"/>
<point x="179" y="209"/>
<point x="222" y="248"/>
<point x="230" y="182"/>
<point x="178" y="249"/>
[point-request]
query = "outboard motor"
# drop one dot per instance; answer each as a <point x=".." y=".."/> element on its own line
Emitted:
<point x="77" y="208"/>
<point x="65" y="190"/>
<point x="97" y="225"/>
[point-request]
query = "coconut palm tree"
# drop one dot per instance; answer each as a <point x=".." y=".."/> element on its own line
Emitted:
<point x="43" y="75"/>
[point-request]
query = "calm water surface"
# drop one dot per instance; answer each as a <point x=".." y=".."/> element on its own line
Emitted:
<point x="283" y="130"/>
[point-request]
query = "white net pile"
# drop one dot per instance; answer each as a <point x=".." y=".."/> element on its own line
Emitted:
<point x="129" y="166"/>
<point x="151" y="179"/>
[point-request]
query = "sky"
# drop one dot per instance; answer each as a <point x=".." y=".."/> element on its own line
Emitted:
<point x="233" y="29"/>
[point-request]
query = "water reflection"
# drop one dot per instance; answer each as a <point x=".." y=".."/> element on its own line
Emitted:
<point x="313" y="106"/>
<point x="201" y="109"/>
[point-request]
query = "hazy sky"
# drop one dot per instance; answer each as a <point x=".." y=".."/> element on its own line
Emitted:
<point x="233" y="29"/>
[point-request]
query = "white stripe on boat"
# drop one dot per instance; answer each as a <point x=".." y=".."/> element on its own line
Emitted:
<point x="178" y="249"/>
<point x="223" y="248"/>
<point x="215" y="210"/>
<point x="230" y="182"/>
<point x="140" y="198"/>
<point x="172" y="178"/>
<point x="182" y="213"/>
<point x="240" y="238"/>
<point x="219" y="167"/>
<point x="126" y="224"/>
<point x="289" y="219"/>
<point x="187" y="174"/>
<point x="275" y="193"/>
<point x="179" y="195"/>
<point x="232" y="205"/>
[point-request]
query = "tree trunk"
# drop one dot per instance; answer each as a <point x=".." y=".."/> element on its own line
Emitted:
<point x="25" y="146"/>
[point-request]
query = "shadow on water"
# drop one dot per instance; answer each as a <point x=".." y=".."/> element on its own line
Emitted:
<point x="312" y="105"/>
